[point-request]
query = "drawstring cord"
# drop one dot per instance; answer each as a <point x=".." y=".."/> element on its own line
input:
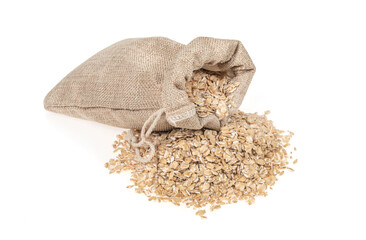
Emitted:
<point x="152" y="121"/>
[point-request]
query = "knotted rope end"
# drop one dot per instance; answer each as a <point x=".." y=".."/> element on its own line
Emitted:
<point x="132" y="139"/>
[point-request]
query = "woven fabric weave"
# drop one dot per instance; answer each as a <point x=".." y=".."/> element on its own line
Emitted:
<point x="127" y="82"/>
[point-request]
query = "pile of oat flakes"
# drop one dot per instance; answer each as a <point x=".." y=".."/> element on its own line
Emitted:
<point x="206" y="168"/>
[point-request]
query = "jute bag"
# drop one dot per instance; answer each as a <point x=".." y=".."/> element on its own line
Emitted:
<point x="140" y="84"/>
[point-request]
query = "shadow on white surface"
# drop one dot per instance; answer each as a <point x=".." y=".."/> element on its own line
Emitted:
<point x="96" y="137"/>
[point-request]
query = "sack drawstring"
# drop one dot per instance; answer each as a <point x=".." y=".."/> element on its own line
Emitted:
<point x="153" y="120"/>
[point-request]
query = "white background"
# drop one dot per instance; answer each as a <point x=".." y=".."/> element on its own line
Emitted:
<point x="310" y="59"/>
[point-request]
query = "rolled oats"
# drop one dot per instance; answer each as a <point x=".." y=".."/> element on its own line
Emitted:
<point x="211" y="92"/>
<point x="206" y="168"/>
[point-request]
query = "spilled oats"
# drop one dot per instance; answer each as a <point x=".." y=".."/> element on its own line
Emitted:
<point x="200" y="168"/>
<point x="207" y="168"/>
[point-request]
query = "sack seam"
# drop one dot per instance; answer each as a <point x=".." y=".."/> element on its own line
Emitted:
<point x="121" y="109"/>
<point x="182" y="116"/>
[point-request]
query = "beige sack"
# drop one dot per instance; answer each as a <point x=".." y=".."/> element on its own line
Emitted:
<point x="134" y="79"/>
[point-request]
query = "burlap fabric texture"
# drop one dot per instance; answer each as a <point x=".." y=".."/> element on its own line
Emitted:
<point x="142" y="79"/>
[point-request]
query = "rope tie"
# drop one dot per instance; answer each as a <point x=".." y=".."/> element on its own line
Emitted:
<point x="145" y="134"/>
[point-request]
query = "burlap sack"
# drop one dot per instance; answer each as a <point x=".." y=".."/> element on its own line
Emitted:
<point x="140" y="83"/>
<point x="124" y="84"/>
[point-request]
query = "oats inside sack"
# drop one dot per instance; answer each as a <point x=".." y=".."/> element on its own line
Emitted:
<point x="211" y="92"/>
